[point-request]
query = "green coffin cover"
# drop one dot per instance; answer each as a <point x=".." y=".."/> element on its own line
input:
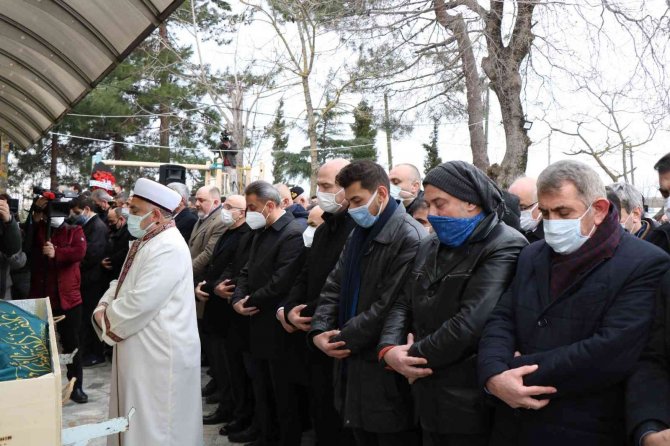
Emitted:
<point x="24" y="348"/>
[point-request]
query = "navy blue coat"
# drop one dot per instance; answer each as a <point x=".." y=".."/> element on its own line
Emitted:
<point x="586" y="342"/>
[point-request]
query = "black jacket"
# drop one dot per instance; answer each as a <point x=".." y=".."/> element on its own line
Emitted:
<point x="536" y="234"/>
<point x="116" y="250"/>
<point x="586" y="342"/>
<point x="321" y="258"/>
<point x="185" y="220"/>
<point x="92" y="278"/>
<point x="10" y="237"/>
<point x="299" y="213"/>
<point x="377" y="400"/>
<point x="445" y="302"/>
<point x="218" y="312"/>
<point x="648" y="389"/>
<point x="512" y="215"/>
<point x="275" y="258"/>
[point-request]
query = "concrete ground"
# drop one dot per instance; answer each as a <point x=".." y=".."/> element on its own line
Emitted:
<point x="96" y="385"/>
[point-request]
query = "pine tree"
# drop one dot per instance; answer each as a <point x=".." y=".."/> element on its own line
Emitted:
<point x="363" y="144"/>
<point x="432" y="159"/>
<point x="279" y="144"/>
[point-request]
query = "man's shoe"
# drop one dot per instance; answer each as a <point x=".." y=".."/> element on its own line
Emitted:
<point x="93" y="361"/>
<point x="246" y="436"/>
<point x="234" y="427"/>
<point x="78" y="396"/>
<point x="209" y="388"/>
<point x="218" y="417"/>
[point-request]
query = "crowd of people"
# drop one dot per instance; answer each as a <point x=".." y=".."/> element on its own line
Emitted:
<point x="389" y="309"/>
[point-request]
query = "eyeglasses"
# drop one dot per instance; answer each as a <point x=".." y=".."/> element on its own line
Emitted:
<point x="664" y="192"/>
<point x="525" y="208"/>
<point x="231" y="208"/>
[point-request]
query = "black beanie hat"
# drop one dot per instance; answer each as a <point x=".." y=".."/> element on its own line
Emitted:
<point x="466" y="182"/>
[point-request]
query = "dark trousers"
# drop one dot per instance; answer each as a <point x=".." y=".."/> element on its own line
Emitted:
<point x="365" y="438"/>
<point x="68" y="331"/>
<point x="240" y="383"/>
<point x="276" y="405"/>
<point x="456" y="439"/>
<point x="90" y="344"/>
<point x="216" y="353"/>
<point x="327" y="421"/>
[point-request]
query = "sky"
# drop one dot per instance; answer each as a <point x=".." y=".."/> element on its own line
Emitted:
<point x="567" y="49"/>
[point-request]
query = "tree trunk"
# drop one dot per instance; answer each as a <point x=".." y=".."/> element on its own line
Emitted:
<point x="502" y="66"/>
<point x="53" y="170"/>
<point x="473" y="88"/>
<point x="238" y="132"/>
<point x="311" y="133"/>
<point x="117" y="148"/>
<point x="163" y="108"/>
<point x="387" y="126"/>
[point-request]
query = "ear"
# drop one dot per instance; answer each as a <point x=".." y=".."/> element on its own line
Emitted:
<point x="601" y="207"/>
<point x="382" y="192"/>
<point x="638" y="213"/>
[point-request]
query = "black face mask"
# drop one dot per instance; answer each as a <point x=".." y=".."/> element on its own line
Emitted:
<point x="98" y="209"/>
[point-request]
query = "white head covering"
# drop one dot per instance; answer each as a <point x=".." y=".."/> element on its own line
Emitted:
<point x="157" y="194"/>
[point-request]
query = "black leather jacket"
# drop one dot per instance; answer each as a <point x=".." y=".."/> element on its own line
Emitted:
<point x="445" y="302"/>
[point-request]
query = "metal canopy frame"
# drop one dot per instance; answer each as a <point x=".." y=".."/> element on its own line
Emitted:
<point x="54" y="52"/>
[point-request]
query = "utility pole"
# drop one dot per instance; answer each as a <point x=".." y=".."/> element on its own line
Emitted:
<point x="549" y="150"/>
<point x="387" y="127"/>
<point x="53" y="169"/>
<point x="163" y="107"/>
<point x="4" y="162"/>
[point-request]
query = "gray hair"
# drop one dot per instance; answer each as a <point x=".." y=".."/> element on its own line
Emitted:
<point x="264" y="191"/>
<point x="630" y="197"/>
<point x="181" y="189"/>
<point x="586" y="180"/>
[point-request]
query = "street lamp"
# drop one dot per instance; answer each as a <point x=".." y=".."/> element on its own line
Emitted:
<point x="527" y="124"/>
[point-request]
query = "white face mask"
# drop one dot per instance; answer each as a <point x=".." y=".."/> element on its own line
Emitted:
<point x="134" y="225"/>
<point x="667" y="207"/>
<point x="564" y="236"/>
<point x="308" y="236"/>
<point x="625" y="222"/>
<point x="256" y="220"/>
<point x="528" y="223"/>
<point x="327" y="201"/>
<point x="399" y="194"/>
<point x="56" y="222"/>
<point x="227" y="217"/>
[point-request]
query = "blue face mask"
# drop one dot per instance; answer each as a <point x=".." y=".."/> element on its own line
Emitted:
<point x="362" y="215"/>
<point x="453" y="231"/>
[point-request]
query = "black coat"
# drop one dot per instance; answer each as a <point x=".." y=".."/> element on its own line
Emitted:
<point x="275" y="259"/>
<point x="377" y="400"/>
<point x="585" y="342"/>
<point x="536" y="234"/>
<point x="321" y="258"/>
<point x="648" y="389"/>
<point x="10" y="237"/>
<point x="185" y="221"/>
<point x="512" y="215"/>
<point x="218" y="312"/>
<point x="116" y="250"/>
<point x="446" y="301"/>
<point x="92" y="277"/>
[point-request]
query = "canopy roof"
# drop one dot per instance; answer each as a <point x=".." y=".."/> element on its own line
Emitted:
<point x="53" y="52"/>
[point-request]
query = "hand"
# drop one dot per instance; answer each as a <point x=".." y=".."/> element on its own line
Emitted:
<point x="661" y="438"/>
<point x="398" y="359"/>
<point x="280" y="317"/>
<point x="225" y="289"/>
<point x="98" y="317"/>
<point x="106" y="263"/>
<point x="5" y="215"/>
<point x="199" y="294"/>
<point x="508" y="386"/>
<point x="49" y="250"/>
<point x="332" y="349"/>
<point x="245" y="311"/>
<point x="300" y="322"/>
